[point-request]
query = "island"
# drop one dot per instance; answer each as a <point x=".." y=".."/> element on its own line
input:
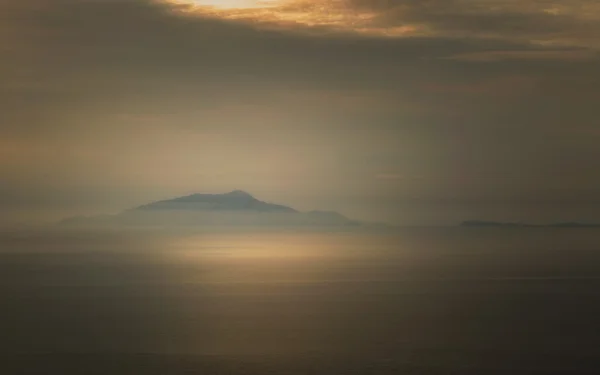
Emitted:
<point x="571" y="224"/>
<point x="235" y="208"/>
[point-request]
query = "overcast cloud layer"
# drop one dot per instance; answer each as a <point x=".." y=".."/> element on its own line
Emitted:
<point x="408" y="111"/>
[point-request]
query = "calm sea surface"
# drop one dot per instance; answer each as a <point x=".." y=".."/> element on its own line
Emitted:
<point x="417" y="301"/>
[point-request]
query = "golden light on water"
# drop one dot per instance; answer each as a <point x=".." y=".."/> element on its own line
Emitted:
<point x="257" y="260"/>
<point x="272" y="247"/>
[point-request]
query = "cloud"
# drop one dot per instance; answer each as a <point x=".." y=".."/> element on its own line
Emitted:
<point x="73" y="58"/>
<point x="541" y="23"/>
<point x="565" y="55"/>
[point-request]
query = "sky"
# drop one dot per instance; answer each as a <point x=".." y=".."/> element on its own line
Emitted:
<point x="408" y="111"/>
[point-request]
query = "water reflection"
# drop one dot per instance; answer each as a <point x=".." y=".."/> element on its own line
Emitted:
<point x="421" y="301"/>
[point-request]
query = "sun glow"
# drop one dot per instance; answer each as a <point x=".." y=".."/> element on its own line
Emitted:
<point x="229" y="4"/>
<point x="294" y="14"/>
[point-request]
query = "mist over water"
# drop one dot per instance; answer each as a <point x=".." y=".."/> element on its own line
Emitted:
<point x="420" y="300"/>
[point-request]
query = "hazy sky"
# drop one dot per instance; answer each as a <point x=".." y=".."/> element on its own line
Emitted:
<point x="412" y="111"/>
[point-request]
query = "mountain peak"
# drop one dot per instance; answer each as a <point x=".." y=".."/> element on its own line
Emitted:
<point x="239" y="193"/>
<point x="236" y="200"/>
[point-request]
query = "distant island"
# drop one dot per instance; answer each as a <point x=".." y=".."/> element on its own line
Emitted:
<point x="235" y="208"/>
<point x="480" y="223"/>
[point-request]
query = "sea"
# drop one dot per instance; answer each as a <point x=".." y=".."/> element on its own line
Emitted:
<point x="444" y="300"/>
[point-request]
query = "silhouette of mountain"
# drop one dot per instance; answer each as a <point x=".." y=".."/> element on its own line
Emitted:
<point x="234" y="200"/>
<point x="234" y="208"/>
<point x="480" y="223"/>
